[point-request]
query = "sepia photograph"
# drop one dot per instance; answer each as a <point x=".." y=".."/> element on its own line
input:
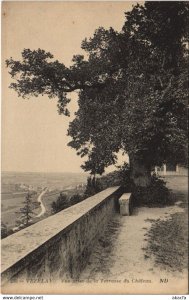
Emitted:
<point x="94" y="147"/>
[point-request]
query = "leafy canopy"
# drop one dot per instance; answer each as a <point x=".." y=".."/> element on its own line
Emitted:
<point x="132" y="87"/>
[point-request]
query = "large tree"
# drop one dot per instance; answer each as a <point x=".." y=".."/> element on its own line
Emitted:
<point x="132" y="89"/>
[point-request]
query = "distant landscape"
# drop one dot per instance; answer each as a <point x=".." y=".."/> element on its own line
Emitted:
<point x="15" y="186"/>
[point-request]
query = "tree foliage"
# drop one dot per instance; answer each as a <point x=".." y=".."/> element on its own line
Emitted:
<point x="93" y="186"/>
<point x="26" y="212"/>
<point x="61" y="203"/>
<point x="5" y="231"/>
<point x="132" y="89"/>
<point x="64" y="201"/>
<point x="76" y="198"/>
<point x="120" y="177"/>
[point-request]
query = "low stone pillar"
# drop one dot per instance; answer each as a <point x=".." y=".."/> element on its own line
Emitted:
<point x="164" y="169"/>
<point x="156" y="170"/>
<point x="125" y="204"/>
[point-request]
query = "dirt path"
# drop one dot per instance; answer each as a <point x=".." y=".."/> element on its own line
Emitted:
<point x="121" y="255"/>
<point x="39" y="199"/>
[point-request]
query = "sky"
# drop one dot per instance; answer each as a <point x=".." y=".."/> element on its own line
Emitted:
<point x="34" y="137"/>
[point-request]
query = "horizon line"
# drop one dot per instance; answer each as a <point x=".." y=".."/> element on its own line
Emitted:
<point x="13" y="171"/>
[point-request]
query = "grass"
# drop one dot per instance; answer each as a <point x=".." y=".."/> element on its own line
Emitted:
<point x="168" y="242"/>
<point x="168" y="239"/>
<point x="101" y="258"/>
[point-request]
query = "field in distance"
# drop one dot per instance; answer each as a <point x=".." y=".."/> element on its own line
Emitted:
<point x="15" y="185"/>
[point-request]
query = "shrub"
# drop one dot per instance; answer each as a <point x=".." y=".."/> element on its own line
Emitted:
<point x="61" y="203"/>
<point x="5" y="231"/>
<point x="120" y="177"/>
<point x="93" y="186"/>
<point x="76" y="199"/>
<point x="157" y="194"/>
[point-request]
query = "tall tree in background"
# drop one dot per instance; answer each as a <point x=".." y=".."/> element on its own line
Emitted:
<point x="93" y="186"/>
<point x="132" y="89"/>
<point x="26" y="212"/>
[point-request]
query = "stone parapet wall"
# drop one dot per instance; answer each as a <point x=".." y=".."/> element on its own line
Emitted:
<point x="58" y="247"/>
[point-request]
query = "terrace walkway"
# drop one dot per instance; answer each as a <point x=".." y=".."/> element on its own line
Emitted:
<point x="140" y="254"/>
<point x="121" y="256"/>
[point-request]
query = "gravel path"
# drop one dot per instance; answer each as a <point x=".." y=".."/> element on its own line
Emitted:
<point x="120" y="254"/>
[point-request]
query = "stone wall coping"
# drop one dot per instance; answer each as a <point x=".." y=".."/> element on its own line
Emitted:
<point x="125" y="196"/>
<point x="17" y="246"/>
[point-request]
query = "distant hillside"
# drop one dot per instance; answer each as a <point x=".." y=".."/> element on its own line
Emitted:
<point x="50" y="180"/>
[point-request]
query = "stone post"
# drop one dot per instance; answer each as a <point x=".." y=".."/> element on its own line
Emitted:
<point x="156" y="170"/>
<point x="125" y="204"/>
<point x="164" y="169"/>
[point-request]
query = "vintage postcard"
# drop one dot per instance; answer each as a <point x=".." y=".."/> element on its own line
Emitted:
<point x="94" y="178"/>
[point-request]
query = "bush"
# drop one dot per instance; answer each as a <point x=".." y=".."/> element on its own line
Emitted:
<point x="124" y="174"/>
<point x="120" y="177"/>
<point x="5" y="231"/>
<point x="61" y="203"/>
<point x="157" y="194"/>
<point x="93" y="186"/>
<point x="76" y="199"/>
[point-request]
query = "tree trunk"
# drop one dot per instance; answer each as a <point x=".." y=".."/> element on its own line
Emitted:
<point x="140" y="172"/>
